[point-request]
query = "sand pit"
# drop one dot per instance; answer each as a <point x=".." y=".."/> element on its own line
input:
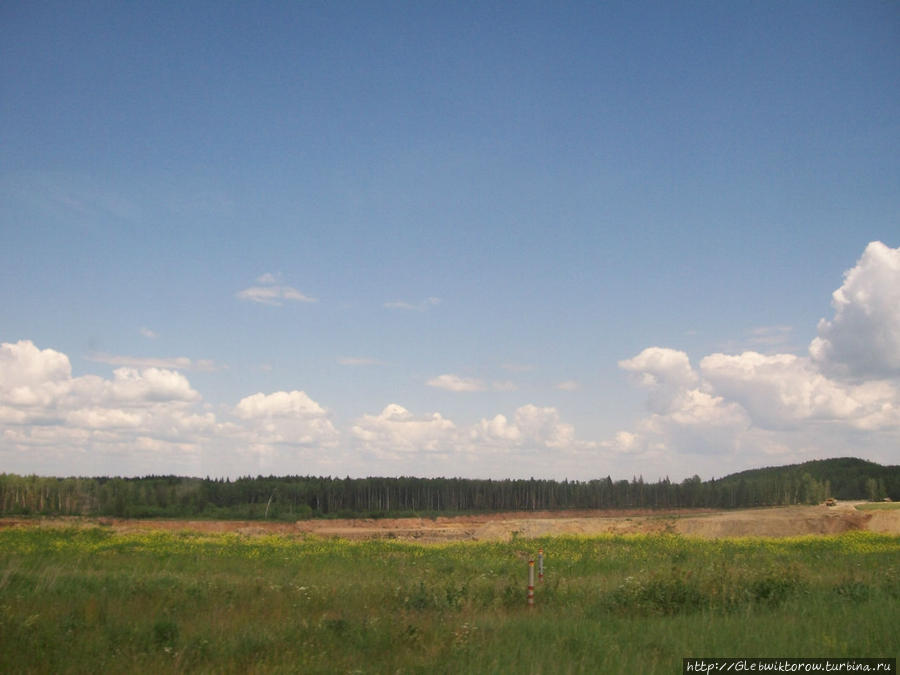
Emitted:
<point x="784" y="521"/>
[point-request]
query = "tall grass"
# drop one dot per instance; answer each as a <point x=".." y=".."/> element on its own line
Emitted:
<point x="85" y="600"/>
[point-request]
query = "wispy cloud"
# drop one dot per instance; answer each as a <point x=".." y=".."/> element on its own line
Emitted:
<point x="568" y="385"/>
<point x="422" y="306"/>
<point x="270" y="292"/>
<point x="359" y="361"/>
<point x="517" y="367"/>
<point x="149" y="334"/>
<point x="770" y="335"/>
<point x="173" y="363"/>
<point x="451" y="382"/>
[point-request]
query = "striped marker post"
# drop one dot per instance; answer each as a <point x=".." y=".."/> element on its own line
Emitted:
<point x="531" y="583"/>
<point x="540" y="565"/>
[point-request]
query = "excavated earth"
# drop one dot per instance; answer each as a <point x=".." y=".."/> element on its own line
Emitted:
<point x="783" y="521"/>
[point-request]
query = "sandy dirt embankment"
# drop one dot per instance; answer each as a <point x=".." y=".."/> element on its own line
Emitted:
<point x="762" y="522"/>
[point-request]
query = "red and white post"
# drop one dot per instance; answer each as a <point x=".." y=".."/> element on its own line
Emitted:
<point x="531" y="583"/>
<point x="540" y="565"/>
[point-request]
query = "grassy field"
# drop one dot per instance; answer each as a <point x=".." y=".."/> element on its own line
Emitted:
<point x="878" y="506"/>
<point x="90" y="600"/>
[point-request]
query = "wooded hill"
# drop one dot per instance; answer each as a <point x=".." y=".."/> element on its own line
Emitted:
<point x="293" y="497"/>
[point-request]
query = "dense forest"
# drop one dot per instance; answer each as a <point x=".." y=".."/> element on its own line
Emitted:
<point x="293" y="497"/>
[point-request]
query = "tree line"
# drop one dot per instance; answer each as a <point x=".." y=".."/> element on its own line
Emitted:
<point x="296" y="497"/>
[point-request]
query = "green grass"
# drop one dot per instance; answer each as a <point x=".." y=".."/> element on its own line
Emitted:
<point x="878" y="506"/>
<point x="90" y="600"/>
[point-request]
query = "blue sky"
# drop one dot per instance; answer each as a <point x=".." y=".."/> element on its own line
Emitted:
<point x="439" y="238"/>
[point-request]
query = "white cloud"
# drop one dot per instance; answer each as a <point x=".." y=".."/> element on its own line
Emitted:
<point x="623" y="442"/>
<point x="742" y="400"/>
<point x="863" y="338"/>
<point x="147" y="420"/>
<point x="173" y="363"/>
<point x="544" y="427"/>
<point x="396" y="431"/>
<point x="743" y="408"/>
<point x="151" y="384"/>
<point x="666" y="372"/>
<point x="147" y="333"/>
<point x="280" y="404"/>
<point x="23" y="363"/>
<point x="284" y="418"/>
<point x="103" y="418"/>
<point x="273" y="295"/>
<point x="532" y="428"/>
<point x="731" y="411"/>
<point x="784" y="391"/>
<point x="53" y="417"/>
<point x="695" y="423"/>
<point x="270" y="292"/>
<point x="568" y="385"/>
<point x="496" y="429"/>
<point x="422" y="306"/>
<point x="450" y="382"/>
<point x="771" y="336"/>
<point x="359" y="361"/>
<point x="432" y="440"/>
<point x="456" y="383"/>
<point x="661" y="366"/>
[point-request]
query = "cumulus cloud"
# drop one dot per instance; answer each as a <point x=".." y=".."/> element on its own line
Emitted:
<point x="544" y="427"/>
<point x="753" y="405"/>
<point x="280" y="404"/>
<point x="456" y="383"/>
<point x="41" y="381"/>
<point x="741" y="403"/>
<point x="677" y="399"/>
<point x="149" y="419"/>
<point x="666" y="372"/>
<point x="784" y="390"/>
<point x="397" y="434"/>
<point x="23" y="363"/>
<point x="45" y="410"/>
<point x="660" y="366"/>
<point x="724" y="411"/>
<point x="496" y="430"/>
<point x="863" y="338"/>
<point x="532" y="428"/>
<point x="395" y="431"/>
<point x="151" y="384"/>
<point x="285" y="418"/>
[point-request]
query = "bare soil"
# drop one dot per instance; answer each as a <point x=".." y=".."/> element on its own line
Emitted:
<point x="783" y="521"/>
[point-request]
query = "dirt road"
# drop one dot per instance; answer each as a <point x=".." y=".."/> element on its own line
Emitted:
<point x="762" y="522"/>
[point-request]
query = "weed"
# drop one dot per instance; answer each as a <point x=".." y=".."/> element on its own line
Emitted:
<point x="80" y="600"/>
